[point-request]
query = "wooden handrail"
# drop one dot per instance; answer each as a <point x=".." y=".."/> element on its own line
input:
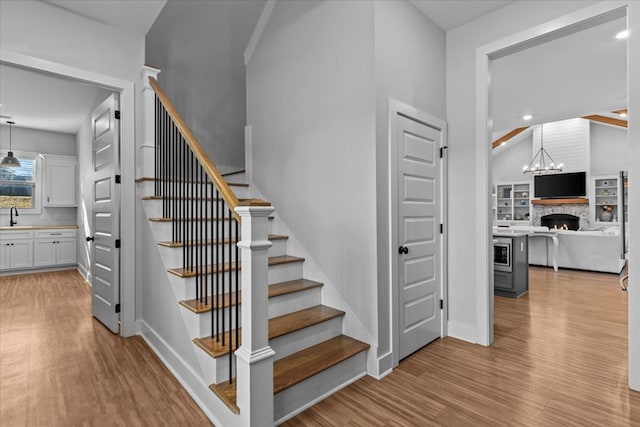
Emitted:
<point x="212" y="172"/>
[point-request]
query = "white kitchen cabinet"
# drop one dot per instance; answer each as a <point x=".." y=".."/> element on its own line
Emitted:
<point x="16" y="250"/>
<point x="60" y="181"/>
<point x="55" y="247"/>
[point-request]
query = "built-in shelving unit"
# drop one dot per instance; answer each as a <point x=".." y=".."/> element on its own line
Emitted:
<point x="513" y="202"/>
<point x="606" y="199"/>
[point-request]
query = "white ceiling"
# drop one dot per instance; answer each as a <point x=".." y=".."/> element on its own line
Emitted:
<point x="454" y="13"/>
<point x="576" y="75"/>
<point x="41" y="101"/>
<point x="133" y="15"/>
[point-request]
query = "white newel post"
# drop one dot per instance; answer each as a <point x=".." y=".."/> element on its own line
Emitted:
<point x="255" y="357"/>
<point x="146" y="165"/>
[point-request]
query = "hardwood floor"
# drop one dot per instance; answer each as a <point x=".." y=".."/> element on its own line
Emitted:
<point x="559" y="359"/>
<point x="61" y="367"/>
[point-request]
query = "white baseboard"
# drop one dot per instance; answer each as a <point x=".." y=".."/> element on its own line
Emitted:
<point x="185" y="375"/>
<point x="384" y="366"/>
<point x="462" y="331"/>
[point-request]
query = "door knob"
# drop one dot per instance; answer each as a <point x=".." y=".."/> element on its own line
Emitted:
<point x="90" y="239"/>
<point x="403" y="250"/>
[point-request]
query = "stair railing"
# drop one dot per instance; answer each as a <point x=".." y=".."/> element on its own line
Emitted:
<point x="205" y="215"/>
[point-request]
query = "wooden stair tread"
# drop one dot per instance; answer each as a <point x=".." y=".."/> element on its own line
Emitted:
<point x="234" y="172"/>
<point x="275" y="290"/>
<point x="170" y="219"/>
<point x="230" y="266"/>
<point x="227" y="393"/>
<point x="150" y="178"/>
<point x="293" y="369"/>
<point x="169" y="244"/>
<point x="278" y="326"/>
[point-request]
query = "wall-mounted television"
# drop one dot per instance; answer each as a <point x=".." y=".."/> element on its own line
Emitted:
<point x="562" y="185"/>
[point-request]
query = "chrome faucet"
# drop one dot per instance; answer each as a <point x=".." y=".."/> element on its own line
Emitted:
<point x="11" y="221"/>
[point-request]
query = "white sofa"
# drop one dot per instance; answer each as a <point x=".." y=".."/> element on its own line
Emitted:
<point x="582" y="250"/>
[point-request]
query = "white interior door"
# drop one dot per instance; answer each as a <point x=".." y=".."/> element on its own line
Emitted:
<point x="105" y="221"/>
<point x="419" y="252"/>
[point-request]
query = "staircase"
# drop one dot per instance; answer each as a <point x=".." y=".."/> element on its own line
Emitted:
<point x="313" y="358"/>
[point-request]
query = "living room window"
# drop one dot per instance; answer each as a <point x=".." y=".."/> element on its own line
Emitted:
<point x="18" y="185"/>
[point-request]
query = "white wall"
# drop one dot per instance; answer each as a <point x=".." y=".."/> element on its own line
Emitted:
<point x="410" y="68"/>
<point x="609" y="149"/>
<point x="199" y="48"/>
<point x="39" y="142"/>
<point x="508" y="161"/>
<point x="462" y="43"/>
<point x="311" y="105"/>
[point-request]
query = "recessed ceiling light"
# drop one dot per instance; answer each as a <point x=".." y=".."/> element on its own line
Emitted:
<point x="527" y="117"/>
<point x="623" y="114"/>
<point x="622" y="34"/>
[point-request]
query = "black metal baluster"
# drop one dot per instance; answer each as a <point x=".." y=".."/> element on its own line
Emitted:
<point x="156" y="152"/>
<point x="222" y="277"/>
<point x="218" y="311"/>
<point x="237" y="301"/>
<point x="174" y="198"/>
<point x="199" y="248"/>
<point x="212" y="260"/>
<point x="229" y="245"/>
<point x="185" y="219"/>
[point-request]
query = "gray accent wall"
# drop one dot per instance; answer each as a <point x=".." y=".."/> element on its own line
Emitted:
<point x="199" y="46"/>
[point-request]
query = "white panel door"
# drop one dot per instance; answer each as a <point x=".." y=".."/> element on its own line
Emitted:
<point x="419" y="250"/>
<point x="105" y="257"/>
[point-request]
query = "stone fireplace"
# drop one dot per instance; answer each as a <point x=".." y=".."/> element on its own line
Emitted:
<point x="560" y="220"/>
<point x="579" y="210"/>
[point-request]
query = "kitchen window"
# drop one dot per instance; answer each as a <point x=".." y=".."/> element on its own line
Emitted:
<point x="18" y="184"/>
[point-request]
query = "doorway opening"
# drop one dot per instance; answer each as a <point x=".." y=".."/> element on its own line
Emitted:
<point x="553" y="30"/>
<point x="125" y="89"/>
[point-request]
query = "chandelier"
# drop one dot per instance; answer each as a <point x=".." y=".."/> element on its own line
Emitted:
<point x="542" y="163"/>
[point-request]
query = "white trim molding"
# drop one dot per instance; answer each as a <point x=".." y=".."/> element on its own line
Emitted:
<point x="257" y="32"/>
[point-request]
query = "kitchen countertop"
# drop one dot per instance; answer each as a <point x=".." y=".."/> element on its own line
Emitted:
<point x="507" y="233"/>
<point x="38" y="227"/>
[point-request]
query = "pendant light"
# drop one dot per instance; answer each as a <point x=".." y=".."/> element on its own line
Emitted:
<point x="542" y="163"/>
<point x="10" y="160"/>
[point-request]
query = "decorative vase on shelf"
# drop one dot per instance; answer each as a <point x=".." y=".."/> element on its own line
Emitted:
<point x="605" y="216"/>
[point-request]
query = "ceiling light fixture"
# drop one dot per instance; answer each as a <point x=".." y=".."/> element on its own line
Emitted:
<point x="622" y="34"/>
<point x="542" y="163"/>
<point x="527" y="117"/>
<point x="10" y="160"/>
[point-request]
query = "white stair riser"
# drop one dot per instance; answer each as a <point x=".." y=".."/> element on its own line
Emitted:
<point x="294" y="302"/>
<point x="307" y="337"/>
<point x="147" y="188"/>
<point x="279" y="273"/>
<point x="173" y="256"/>
<point x="289" y="402"/>
<point x="277" y="307"/>
<point x="215" y="370"/>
